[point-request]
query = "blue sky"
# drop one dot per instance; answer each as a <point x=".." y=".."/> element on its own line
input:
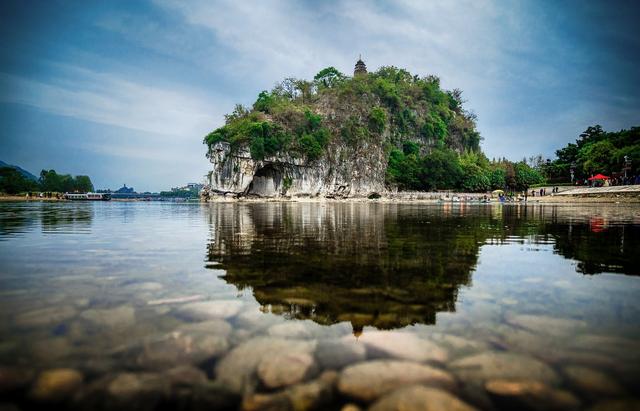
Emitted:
<point x="124" y="91"/>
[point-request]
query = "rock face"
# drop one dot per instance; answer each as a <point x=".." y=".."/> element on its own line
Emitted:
<point x="342" y="172"/>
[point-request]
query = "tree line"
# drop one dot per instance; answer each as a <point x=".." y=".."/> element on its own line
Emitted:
<point x="14" y="182"/>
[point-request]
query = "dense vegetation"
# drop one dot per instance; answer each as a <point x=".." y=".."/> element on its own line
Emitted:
<point x="596" y="151"/>
<point x="13" y="182"/>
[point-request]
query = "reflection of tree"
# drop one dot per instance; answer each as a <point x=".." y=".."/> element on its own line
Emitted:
<point x="599" y="248"/>
<point x="371" y="265"/>
<point x="387" y="265"/>
<point x="66" y="216"/>
<point x="14" y="219"/>
<point x="18" y="217"/>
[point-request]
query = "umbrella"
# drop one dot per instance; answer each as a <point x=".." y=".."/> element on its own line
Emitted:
<point x="598" y="177"/>
<point x="497" y="192"/>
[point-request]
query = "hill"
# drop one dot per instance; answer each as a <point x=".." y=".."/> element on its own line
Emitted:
<point x="22" y="171"/>
<point x="339" y="136"/>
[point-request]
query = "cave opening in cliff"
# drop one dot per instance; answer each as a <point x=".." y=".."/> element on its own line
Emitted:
<point x="266" y="181"/>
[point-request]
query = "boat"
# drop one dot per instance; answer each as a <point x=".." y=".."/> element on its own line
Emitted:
<point x="87" y="196"/>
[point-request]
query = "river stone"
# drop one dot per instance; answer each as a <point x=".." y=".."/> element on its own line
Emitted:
<point x="313" y="395"/>
<point x="612" y="346"/>
<point x="501" y="365"/>
<point x="236" y="369"/>
<point x="284" y="369"/>
<point x="542" y="324"/>
<point x="45" y="316"/>
<point x="530" y="395"/>
<point x="181" y="348"/>
<point x="419" y="398"/>
<point x="51" y="349"/>
<point x="55" y="385"/>
<point x="186" y="375"/>
<point x="135" y="391"/>
<point x="337" y="354"/>
<point x="625" y="404"/>
<point x="292" y="329"/>
<point x="117" y="317"/>
<point x="368" y="380"/>
<point x="207" y="310"/>
<point x="213" y="327"/>
<point x="591" y="382"/>
<point x="402" y="345"/>
<point x="256" y="320"/>
<point x="14" y="379"/>
<point x="458" y="344"/>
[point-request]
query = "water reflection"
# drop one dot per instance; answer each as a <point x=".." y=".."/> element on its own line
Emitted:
<point x="19" y="217"/>
<point x="389" y="265"/>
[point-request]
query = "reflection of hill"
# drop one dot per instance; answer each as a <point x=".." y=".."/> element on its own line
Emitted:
<point x="388" y="265"/>
<point x="371" y="265"/>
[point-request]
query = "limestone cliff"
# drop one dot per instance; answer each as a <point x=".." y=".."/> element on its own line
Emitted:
<point x="358" y="174"/>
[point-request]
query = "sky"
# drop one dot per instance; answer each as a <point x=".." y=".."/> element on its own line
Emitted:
<point x="124" y="91"/>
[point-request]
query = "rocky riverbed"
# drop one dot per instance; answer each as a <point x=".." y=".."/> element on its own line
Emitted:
<point x="219" y="355"/>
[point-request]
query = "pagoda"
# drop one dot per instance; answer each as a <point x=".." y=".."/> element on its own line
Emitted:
<point x="361" y="68"/>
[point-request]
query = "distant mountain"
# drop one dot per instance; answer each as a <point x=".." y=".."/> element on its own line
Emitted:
<point x="22" y="171"/>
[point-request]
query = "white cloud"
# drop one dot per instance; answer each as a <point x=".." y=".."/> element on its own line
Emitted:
<point x="108" y="99"/>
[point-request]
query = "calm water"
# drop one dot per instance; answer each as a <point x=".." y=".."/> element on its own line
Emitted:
<point x="293" y="305"/>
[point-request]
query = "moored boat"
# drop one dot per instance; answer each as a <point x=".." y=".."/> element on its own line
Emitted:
<point x="88" y="196"/>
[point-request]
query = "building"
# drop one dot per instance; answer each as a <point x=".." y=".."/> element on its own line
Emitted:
<point x="361" y="68"/>
<point x="125" y="190"/>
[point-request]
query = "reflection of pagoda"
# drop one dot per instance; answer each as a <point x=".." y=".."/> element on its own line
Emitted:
<point x="361" y="68"/>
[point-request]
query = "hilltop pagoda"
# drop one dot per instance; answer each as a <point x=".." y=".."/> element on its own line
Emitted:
<point x="361" y="68"/>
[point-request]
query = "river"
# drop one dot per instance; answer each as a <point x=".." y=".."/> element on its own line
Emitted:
<point x="112" y="305"/>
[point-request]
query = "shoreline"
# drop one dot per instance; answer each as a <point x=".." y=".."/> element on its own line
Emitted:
<point x="398" y="198"/>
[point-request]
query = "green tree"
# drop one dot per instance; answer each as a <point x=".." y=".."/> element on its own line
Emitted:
<point x="377" y="119"/>
<point x="441" y="170"/>
<point x="83" y="184"/>
<point x="526" y="176"/>
<point x="597" y="157"/>
<point x="328" y="77"/>
<point x="13" y="182"/>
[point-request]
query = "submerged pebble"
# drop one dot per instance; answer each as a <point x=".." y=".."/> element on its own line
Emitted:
<point x="237" y="369"/>
<point x="55" y="385"/>
<point x="284" y="369"/>
<point x="402" y="345"/>
<point x="207" y="310"/>
<point x="420" y="398"/>
<point x="312" y="395"/>
<point x="592" y="383"/>
<point x="336" y="354"/>
<point x="543" y="324"/>
<point x="181" y="348"/>
<point x="502" y="365"/>
<point x="45" y="316"/>
<point x="117" y="317"/>
<point x="530" y="395"/>
<point x="368" y="380"/>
